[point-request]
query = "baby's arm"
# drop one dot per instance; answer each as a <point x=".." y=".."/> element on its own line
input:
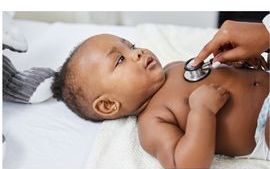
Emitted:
<point x="193" y="148"/>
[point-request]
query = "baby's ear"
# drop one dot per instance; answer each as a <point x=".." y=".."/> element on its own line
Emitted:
<point x="106" y="107"/>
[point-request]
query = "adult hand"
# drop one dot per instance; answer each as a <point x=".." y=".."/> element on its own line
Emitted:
<point x="236" y="41"/>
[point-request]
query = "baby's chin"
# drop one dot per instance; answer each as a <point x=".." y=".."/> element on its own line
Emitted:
<point x="159" y="81"/>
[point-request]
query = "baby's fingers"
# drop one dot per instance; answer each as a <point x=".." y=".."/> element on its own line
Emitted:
<point x="222" y="90"/>
<point x="224" y="93"/>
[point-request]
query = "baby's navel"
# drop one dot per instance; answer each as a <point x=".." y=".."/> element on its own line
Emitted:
<point x="256" y="83"/>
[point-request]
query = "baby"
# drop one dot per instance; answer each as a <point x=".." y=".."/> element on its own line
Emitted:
<point x="182" y="124"/>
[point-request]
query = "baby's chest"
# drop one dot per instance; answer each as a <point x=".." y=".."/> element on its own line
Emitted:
<point x="175" y="97"/>
<point x="177" y="102"/>
<point x="180" y="108"/>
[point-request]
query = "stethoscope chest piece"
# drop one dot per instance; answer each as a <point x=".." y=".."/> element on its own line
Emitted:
<point x="194" y="74"/>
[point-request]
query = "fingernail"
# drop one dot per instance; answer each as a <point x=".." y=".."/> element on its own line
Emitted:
<point x="194" y="63"/>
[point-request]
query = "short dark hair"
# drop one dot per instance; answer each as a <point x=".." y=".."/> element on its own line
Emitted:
<point x="72" y="94"/>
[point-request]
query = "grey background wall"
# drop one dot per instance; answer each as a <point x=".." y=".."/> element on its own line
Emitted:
<point x="189" y="18"/>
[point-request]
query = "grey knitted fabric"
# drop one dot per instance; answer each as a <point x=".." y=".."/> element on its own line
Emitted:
<point x="4" y="46"/>
<point x="20" y="86"/>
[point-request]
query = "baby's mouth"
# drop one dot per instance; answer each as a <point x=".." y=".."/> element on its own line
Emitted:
<point x="149" y="62"/>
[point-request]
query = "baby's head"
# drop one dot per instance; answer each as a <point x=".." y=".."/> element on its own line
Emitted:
<point x="107" y="77"/>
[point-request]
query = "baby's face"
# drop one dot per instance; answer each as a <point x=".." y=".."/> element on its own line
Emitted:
<point x="119" y="73"/>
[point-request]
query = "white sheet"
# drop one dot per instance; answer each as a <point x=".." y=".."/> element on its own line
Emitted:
<point x="49" y="135"/>
<point x="45" y="135"/>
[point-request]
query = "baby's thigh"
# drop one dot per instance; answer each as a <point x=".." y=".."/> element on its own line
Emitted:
<point x="267" y="132"/>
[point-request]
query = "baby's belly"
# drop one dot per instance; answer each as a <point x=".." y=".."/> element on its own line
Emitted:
<point x="237" y="120"/>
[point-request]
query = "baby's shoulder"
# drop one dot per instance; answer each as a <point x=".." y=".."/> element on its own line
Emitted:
<point x="172" y="65"/>
<point x="174" y="68"/>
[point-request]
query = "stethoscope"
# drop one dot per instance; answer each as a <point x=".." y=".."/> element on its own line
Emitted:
<point x="197" y="73"/>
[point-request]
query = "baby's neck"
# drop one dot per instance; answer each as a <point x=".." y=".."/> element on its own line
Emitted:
<point x="146" y="102"/>
<point x="143" y="106"/>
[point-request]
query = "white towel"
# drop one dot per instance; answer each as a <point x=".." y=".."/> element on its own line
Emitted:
<point x="117" y="147"/>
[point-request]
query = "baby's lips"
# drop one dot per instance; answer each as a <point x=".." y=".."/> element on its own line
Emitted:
<point x="148" y="60"/>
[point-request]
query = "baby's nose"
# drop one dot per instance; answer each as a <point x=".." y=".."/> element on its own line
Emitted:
<point x="137" y="54"/>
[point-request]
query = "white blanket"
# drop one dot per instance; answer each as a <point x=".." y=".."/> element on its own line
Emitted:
<point x="117" y="145"/>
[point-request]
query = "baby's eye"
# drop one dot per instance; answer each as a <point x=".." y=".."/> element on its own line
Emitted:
<point x="120" y="59"/>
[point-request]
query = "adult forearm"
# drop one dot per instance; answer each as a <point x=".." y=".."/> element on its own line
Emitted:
<point x="197" y="146"/>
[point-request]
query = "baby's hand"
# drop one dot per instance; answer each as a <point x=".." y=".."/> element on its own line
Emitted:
<point x="211" y="97"/>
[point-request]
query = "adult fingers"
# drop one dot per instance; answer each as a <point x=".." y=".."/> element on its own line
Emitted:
<point x="209" y="48"/>
<point x="232" y="55"/>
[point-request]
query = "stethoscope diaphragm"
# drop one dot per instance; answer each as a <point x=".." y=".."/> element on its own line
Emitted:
<point x="196" y="73"/>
